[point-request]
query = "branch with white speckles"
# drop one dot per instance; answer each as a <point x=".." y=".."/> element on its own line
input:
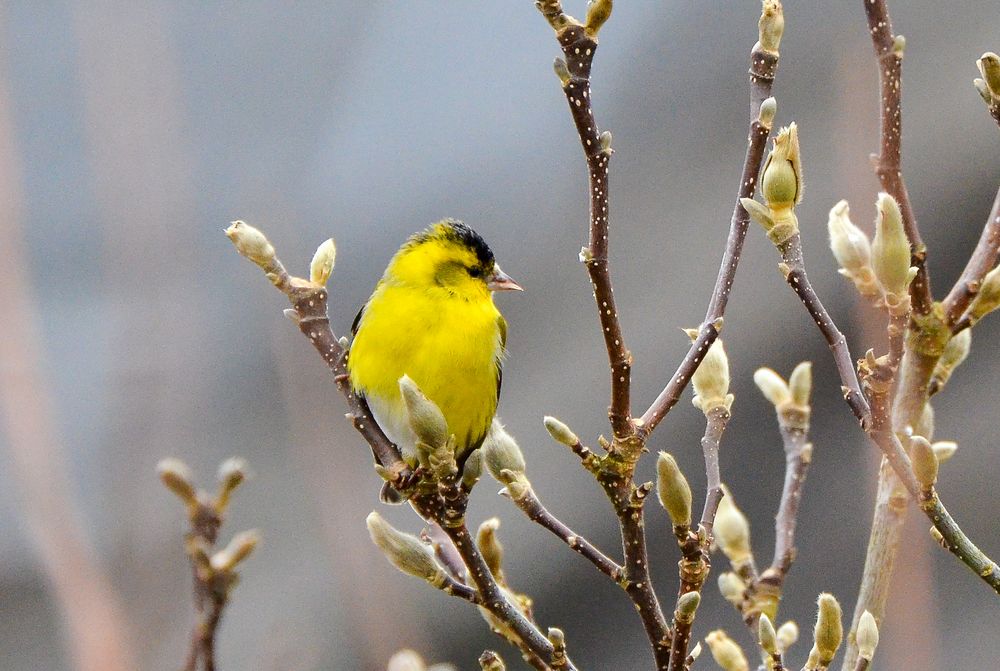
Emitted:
<point x="888" y="165"/>
<point x="982" y="261"/>
<point x="763" y="65"/>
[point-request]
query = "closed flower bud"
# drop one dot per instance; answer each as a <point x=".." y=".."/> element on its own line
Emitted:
<point x="232" y="473"/>
<point x="406" y="660"/>
<point x="490" y="661"/>
<point x="787" y="635"/>
<point x="711" y="379"/>
<point x="732" y="530"/>
<point x="561" y="70"/>
<point x="766" y="635"/>
<point x="673" y="490"/>
<point x="768" y="109"/>
<point x="867" y="636"/>
<point x="771" y="25"/>
<point x="988" y="298"/>
<point x="501" y="453"/>
<point x="251" y="243"/>
<point x="944" y="450"/>
<point x="955" y="352"/>
<point x="473" y="469"/>
<point x="773" y="386"/>
<point x="726" y="652"/>
<point x="405" y="551"/>
<point x="925" y="463"/>
<point x="891" y="250"/>
<point x="852" y="249"/>
<point x="560" y="432"/>
<point x="425" y="417"/>
<point x="322" y="262"/>
<point x="176" y="477"/>
<point x="687" y="606"/>
<point x="489" y="546"/>
<point x="829" y="630"/>
<point x="597" y="13"/>
<point x="239" y="548"/>
<point x="989" y="66"/>
<point x="800" y="383"/>
<point x="732" y="587"/>
<point x="781" y="184"/>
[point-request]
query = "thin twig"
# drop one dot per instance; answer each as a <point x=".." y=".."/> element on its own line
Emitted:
<point x="982" y="261"/>
<point x="763" y="65"/>
<point x="798" y="454"/>
<point x="888" y="165"/>
<point x="532" y="506"/>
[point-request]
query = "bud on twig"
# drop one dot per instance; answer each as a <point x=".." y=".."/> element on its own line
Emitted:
<point x="773" y="386"/>
<point x="597" y="14"/>
<point x="726" y="652"/>
<point x="489" y="546"/>
<point x="988" y="298"/>
<point x="473" y="469"/>
<point x="781" y="184"/>
<point x="771" y="25"/>
<point x="322" y="263"/>
<point x="711" y="378"/>
<point x="800" y="384"/>
<point x="852" y="250"/>
<point x="989" y="85"/>
<point x="406" y="660"/>
<point x="944" y="450"/>
<point x="673" y="490"/>
<point x="251" y="243"/>
<point x="867" y="636"/>
<point x="732" y="530"/>
<point x="239" y="548"/>
<point x="232" y="473"/>
<point x="176" y="476"/>
<point x="504" y="461"/>
<point x="426" y="419"/>
<point x="829" y="630"/>
<point x="787" y="635"/>
<point x="405" y="551"/>
<point x="561" y="70"/>
<point x="955" y="352"/>
<point x="768" y="109"/>
<point x="490" y="661"/>
<point x="560" y="432"/>
<point x="732" y="587"/>
<point x="925" y="463"/>
<point x="891" y="254"/>
<point x="766" y="635"/>
<point x="687" y="607"/>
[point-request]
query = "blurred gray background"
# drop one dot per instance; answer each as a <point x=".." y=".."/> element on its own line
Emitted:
<point x="132" y="132"/>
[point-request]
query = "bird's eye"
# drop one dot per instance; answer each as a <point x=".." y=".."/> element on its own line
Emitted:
<point x="476" y="272"/>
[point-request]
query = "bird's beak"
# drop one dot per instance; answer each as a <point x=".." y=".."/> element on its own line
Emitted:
<point x="501" y="281"/>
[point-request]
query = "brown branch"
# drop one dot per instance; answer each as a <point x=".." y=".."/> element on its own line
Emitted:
<point x="532" y="506"/>
<point x="888" y="165"/>
<point x="798" y="454"/>
<point x="579" y="44"/>
<point x="982" y="261"/>
<point x="763" y="65"/>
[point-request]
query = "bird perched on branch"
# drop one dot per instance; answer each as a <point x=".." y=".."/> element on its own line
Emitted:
<point x="432" y="318"/>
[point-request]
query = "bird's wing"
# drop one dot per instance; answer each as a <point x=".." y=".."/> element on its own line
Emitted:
<point x="501" y="351"/>
<point x="357" y="320"/>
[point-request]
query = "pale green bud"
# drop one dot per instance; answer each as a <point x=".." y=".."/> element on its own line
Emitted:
<point x="955" y="352"/>
<point x="925" y="463"/>
<point x="988" y="298"/>
<point x="773" y="386"/>
<point x="322" y="262"/>
<point x="891" y="250"/>
<point x="673" y="490"/>
<point x="490" y="661"/>
<point x="605" y="141"/>
<point x="989" y="66"/>
<point x="768" y="109"/>
<point x="687" y="607"/>
<point x="426" y="419"/>
<point x="597" y="13"/>
<point x="732" y="587"/>
<point x="867" y="636"/>
<point x="405" y="551"/>
<point x="766" y="635"/>
<point x="561" y="70"/>
<point x="944" y="450"/>
<point x="250" y="242"/>
<point x="800" y="383"/>
<point x="781" y="184"/>
<point x="771" y="25"/>
<point x="501" y="452"/>
<point x="473" y="469"/>
<point x="490" y="547"/>
<point x="560" y="432"/>
<point x="406" y="660"/>
<point x="239" y="548"/>
<point x="176" y="476"/>
<point x="787" y="635"/>
<point x="829" y="630"/>
<point x="732" y="530"/>
<point x="726" y="652"/>
<point x="852" y="249"/>
<point x="711" y="379"/>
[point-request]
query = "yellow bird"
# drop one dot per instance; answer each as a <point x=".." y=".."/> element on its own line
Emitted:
<point x="432" y="317"/>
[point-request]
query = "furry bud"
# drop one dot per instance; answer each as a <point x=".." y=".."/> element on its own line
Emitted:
<point x="787" y="635"/>
<point x="250" y="242"/>
<point x="726" y="652"/>
<point x="673" y="490"/>
<point x="766" y="635"/>
<point x="768" y="109"/>
<point x="597" y="14"/>
<point x="988" y="298"/>
<point x="687" y="606"/>
<point x="239" y="548"/>
<point x="711" y="379"/>
<point x="891" y="249"/>
<point x="176" y="476"/>
<point x="852" y="250"/>
<point x="771" y="25"/>
<point x="781" y="184"/>
<point x="867" y="636"/>
<point x="560" y="432"/>
<point x="773" y="386"/>
<point x="406" y="552"/>
<point x="426" y="419"/>
<point x="800" y="383"/>
<point x="406" y="660"/>
<point x="732" y="530"/>
<point x="989" y="67"/>
<point x="732" y="587"/>
<point x="925" y="463"/>
<point x="489" y="546"/>
<point x="829" y="630"/>
<point x="322" y="263"/>
<point x="944" y="450"/>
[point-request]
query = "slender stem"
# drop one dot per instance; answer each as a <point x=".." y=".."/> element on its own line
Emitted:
<point x="982" y="261"/>
<point x="798" y="454"/>
<point x="763" y="65"/>
<point x="716" y="422"/>
<point x="532" y="506"/>
<point x="888" y="166"/>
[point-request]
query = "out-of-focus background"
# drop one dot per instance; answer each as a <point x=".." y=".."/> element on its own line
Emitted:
<point x="132" y="132"/>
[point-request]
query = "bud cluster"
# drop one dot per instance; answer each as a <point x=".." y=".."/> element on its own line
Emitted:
<point x="781" y="188"/>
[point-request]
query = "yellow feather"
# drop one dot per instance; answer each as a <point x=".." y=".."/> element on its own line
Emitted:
<point x="429" y="318"/>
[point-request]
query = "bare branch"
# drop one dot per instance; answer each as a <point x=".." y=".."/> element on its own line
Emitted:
<point x="982" y="261"/>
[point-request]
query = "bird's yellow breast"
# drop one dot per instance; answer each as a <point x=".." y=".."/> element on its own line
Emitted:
<point x="450" y="346"/>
